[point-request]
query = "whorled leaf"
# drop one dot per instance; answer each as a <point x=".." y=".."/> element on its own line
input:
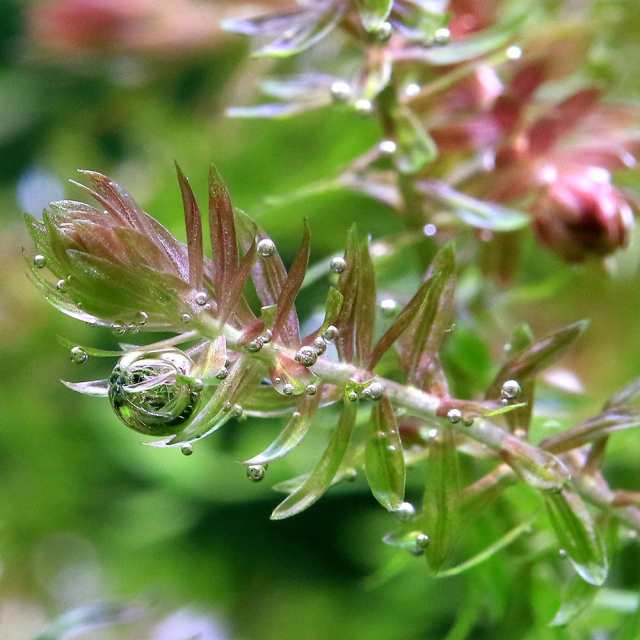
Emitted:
<point x="468" y="48"/>
<point x="321" y="477"/>
<point x="576" y="598"/>
<point x="193" y="224"/>
<point x="578" y="535"/>
<point x="384" y="456"/>
<point x="357" y="315"/>
<point x="441" y="505"/>
<point x="292" y="434"/>
<point x="476" y="213"/>
<point x="94" y="388"/>
<point x="373" y="13"/>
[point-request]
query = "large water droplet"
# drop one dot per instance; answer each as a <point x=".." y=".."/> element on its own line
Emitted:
<point x="149" y="394"/>
<point x="39" y="261"/>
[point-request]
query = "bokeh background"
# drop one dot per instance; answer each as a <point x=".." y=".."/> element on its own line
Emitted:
<point x="88" y="514"/>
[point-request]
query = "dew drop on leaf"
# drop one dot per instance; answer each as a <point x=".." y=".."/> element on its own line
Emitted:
<point x="78" y="355"/>
<point x="39" y="261"/>
<point x="255" y="472"/>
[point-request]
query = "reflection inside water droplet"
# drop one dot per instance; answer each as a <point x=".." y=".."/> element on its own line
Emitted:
<point x="148" y="394"/>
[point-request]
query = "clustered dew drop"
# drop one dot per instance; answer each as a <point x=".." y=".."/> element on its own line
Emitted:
<point x="266" y="248"/>
<point x="255" y="472"/>
<point x="306" y="356"/>
<point x="387" y="147"/>
<point x="78" y="355"/>
<point x="340" y="91"/>
<point x="374" y="391"/>
<point x="510" y="390"/>
<point x="201" y="298"/>
<point x="337" y="264"/>
<point x="39" y="261"/>
<point x="389" y="307"/>
<point x="405" y="511"/>
<point x="331" y="333"/>
<point x="454" y="416"/>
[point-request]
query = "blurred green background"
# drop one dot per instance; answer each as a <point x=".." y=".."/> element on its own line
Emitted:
<point x="88" y="514"/>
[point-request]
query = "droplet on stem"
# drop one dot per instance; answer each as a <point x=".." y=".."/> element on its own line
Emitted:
<point x="266" y="248"/>
<point x="337" y="264"/>
<point x="39" y="261"/>
<point x="78" y="355"/>
<point x="255" y="472"/>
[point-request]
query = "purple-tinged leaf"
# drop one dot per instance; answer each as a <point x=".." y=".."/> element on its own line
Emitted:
<point x="384" y="456"/>
<point x="90" y="351"/>
<point x="378" y="185"/>
<point x="290" y="288"/>
<point x="441" y="509"/>
<point x="229" y="300"/>
<point x="292" y="433"/>
<point x="304" y="32"/>
<point x="357" y="286"/>
<point x="277" y="110"/>
<point x="262" y="402"/>
<point x="193" y="224"/>
<point x="323" y="474"/>
<point x="476" y="213"/>
<point x="577" y="534"/>
<point x="268" y="25"/>
<point x="289" y="377"/>
<point x="94" y="388"/>
<point x="373" y="13"/>
<point x="577" y="597"/>
<point x="299" y="87"/>
<point x="541" y="354"/>
<point x="269" y="276"/>
<point x="223" y="233"/>
<point x="420" y="314"/>
<point x="466" y="49"/>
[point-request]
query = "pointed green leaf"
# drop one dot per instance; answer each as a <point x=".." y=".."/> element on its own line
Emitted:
<point x="384" y="456"/>
<point x="484" y="555"/>
<point x="292" y="433"/>
<point x="415" y="147"/>
<point x="577" y="534"/>
<point x="577" y="597"/>
<point x="322" y="475"/>
<point x="193" y="225"/>
<point x="373" y="13"/>
<point x="440" y="519"/>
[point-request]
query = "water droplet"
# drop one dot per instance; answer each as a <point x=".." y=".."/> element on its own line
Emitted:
<point x="514" y="52"/>
<point x="374" y="391"/>
<point x="387" y="147"/>
<point x="185" y="318"/>
<point x="237" y="411"/>
<point x="454" y="416"/>
<point x="430" y="230"/>
<point x="266" y="248"/>
<point x="227" y="406"/>
<point x="255" y="472"/>
<point x="311" y="389"/>
<point x="147" y="391"/>
<point x="337" y="264"/>
<point x="412" y="90"/>
<point x="442" y="36"/>
<point x="363" y="106"/>
<point x="391" y="448"/>
<point x="350" y="474"/>
<point x="39" y="261"/>
<point x="422" y="540"/>
<point x="405" y="511"/>
<point x="186" y="449"/>
<point x="197" y="384"/>
<point x="319" y="345"/>
<point x="562" y="553"/>
<point x="389" y="307"/>
<point x="510" y="389"/>
<point x="331" y="333"/>
<point x="352" y="396"/>
<point x="61" y="285"/>
<point x="468" y="421"/>
<point x="201" y="298"/>
<point x="78" y="355"/>
<point x="222" y="373"/>
<point x="267" y="336"/>
<point x="340" y="91"/>
<point x="306" y="356"/>
<point x="384" y="31"/>
<point x="288" y="389"/>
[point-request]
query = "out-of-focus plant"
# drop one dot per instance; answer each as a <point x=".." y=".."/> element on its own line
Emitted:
<point x="116" y="266"/>
<point x="468" y="134"/>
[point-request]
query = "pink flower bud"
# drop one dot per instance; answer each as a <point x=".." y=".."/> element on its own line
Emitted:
<point x="582" y="214"/>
